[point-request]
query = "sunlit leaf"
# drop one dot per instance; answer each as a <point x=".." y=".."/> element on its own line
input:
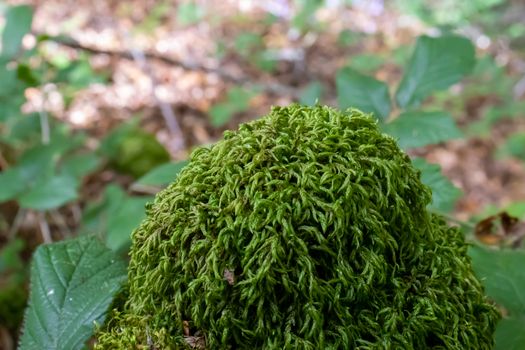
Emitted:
<point x="311" y="94"/>
<point x="436" y="64"/>
<point x="237" y="101"/>
<point x="417" y="129"/>
<point x="444" y="193"/>
<point x="363" y="92"/>
<point x="122" y="221"/>
<point x="163" y="174"/>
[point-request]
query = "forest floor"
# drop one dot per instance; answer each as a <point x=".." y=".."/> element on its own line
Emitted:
<point x="183" y="67"/>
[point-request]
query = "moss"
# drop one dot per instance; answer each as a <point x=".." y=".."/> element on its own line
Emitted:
<point x="306" y="229"/>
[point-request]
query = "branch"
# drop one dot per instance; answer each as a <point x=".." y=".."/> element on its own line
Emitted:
<point x="275" y="88"/>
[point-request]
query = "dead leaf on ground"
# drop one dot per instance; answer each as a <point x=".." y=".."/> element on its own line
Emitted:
<point x="500" y="229"/>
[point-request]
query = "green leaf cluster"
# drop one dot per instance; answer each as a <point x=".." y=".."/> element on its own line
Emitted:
<point x="306" y="229"/>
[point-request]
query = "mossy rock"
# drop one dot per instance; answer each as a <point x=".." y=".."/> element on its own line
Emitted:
<point x="306" y="229"/>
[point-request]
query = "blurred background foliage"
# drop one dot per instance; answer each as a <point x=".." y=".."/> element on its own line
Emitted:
<point x="102" y="101"/>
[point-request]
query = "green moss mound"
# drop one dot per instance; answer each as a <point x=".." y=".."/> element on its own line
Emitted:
<point x="306" y="229"/>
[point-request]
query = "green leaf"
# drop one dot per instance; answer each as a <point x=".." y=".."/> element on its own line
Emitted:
<point x="509" y="334"/>
<point x="367" y="63"/>
<point x="514" y="146"/>
<point x="115" y="217"/>
<point x="311" y="94"/>
<point x="80" y="165"/>
<point x="503" y="276"/>
<point x="417" y="129"/>
<point x="10" y="184"/>
<point x="444" y="193"/>
<point x="436" y="64"/>
<point x="10" y="256"/>
<point x="10" y="86"/>
<point x="50" y="193"/>
<point x="25" y="74"/>
<point x="18" y="23"/>
<point x="189" y="13"/>
<point x="123" y="221"/>
<point x="72" y="285"/>
<point x="162" y="175"/>
<point x="237" y="101"/>
<point x="363" y="92"/>
<point x="245" y="43"/>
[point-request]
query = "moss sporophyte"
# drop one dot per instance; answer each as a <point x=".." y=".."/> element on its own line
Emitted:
<point x="305" y="229"/>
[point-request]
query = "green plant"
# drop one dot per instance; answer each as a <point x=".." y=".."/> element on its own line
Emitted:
<point x="306" y="229"/>
<point x="73" y="283"/>
<point x="13" y="295"/>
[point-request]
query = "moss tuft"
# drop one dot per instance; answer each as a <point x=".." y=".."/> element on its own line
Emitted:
<point x="306" y="229"/>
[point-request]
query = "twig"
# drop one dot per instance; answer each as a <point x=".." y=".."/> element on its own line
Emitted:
<point x="275" y="88"/>
<point x="44" y="227"/>
<point x="76" y="212"/>
<point x="3" y="162"/>
<point x="61" y="223"/>
<point x="19" y="218"/>
<point x="166" y="110"/>
<point x="44" y="126"/>
<point x="69" y="42"/>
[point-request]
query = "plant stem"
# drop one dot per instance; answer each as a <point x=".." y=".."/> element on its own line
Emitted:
<point x="44" y="227"/>
<point x="19" y="218"/>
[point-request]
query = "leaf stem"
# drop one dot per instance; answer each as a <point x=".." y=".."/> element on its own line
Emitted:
<point x="44" y="227"/>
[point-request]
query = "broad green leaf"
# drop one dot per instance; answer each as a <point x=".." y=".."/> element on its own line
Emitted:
<point x="514" y="146"/>
<point x="238" y="100"/>
<point x="80" y="165"/>
<point x="245" y="43"/>
<point x="367" y="63"/>
<point x="162" y="175"/>
<point x="510" y="334"/>
<point x="20" y="130"/>
<point x="221" y="114"/>
<point x="305" y="13"/>
<point x="122" y="221"/>
<point x="10" y="256"/>
<point x="115" y="217"/>
<point x="189" y="13"/>
<point x="38" y="162"/>
<point x="516" y="209"/>
<point x="95" y="215"/>
<point x="72" y="285"/>
<point x="311" y="94"/>
<point x="348" y="38"/>
<point x="436" y="64"/>
<point x="503" y="276"/>
<point x="444" y="193"/>
<point x="10" y="184"/>
<point x="417" y="129"/>
<point x="50" y="193"/>
<point x="26" y="74"/>
<point x="363" y="92"/>
<point x="10" y="84"/>
<point x="18" y="23"/>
